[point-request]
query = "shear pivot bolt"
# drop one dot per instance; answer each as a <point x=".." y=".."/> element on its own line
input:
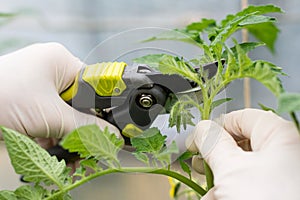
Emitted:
<point x="146" y="100"/>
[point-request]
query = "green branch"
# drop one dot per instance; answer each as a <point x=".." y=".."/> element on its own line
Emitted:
<point x="165" y="172"/>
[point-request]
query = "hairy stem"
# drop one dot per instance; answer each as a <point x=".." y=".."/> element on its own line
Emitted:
<point x="205" y="116"/>
<point x="166" y="172"/>
<point x="208" y="173"/>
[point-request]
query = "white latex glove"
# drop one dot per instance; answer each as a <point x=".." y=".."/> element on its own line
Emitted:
<point x="271" y="171"/>
<point x="31" y="80"/>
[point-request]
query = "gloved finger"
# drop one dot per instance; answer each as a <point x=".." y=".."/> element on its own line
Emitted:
<point x="43" y="65"/>
<point x="260" y="127"/>
<point x="209" y="195"/>
<point x="54" y="60"/>
<point x="74" y="119"/>
<point x="46" y="143"/>
<point x="65" y="66"/>
<point x="197" y="164"/>
<point x="55" y="119"/>
<point x="214" y="143"/>
<point x="197" y="161"/>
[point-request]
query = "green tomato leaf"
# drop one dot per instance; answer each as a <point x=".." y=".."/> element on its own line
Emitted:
<point x="265" y="32"/>
<point x="150" y="141"/>
<point x="243" y="60"/>
<point x="90" y="141"/>
<point x="257" y="19"/>
<point x="32" y="161"/>
<point x="90" y="163"/>
<point x="165" y="155"/>
<point x="263" y="71"/>
<point x="267" y="74"/>
<point x="152" y="60"/>
<point x="217" y="48"/>
<point x="85" y="164"/>
<point x="27" y="192"/>
<point x="257" y="10"/>
<point x="141" y="157"/>
<point x="182" y="35"/>
<point x="265" y="108"/>
<point x="251" y="16"/>
<point x="229" y="28"/>
<point x="261" y="9"/>
<point x="246" y="47"/>
<point x="186" y="168"/>
<point x="288" y="102"/>
<point x="171" y="100"/>
<point x="186" y="155"/>
<point x="219" y="102"/>
<point x="167" y="64"/>
<point x="180" y="114"/>
<point x="7" y="195"/>
<point x="172" y="65"/>
<point x="204" y="24"/>
<point x="175" y="116"/>
<point x="80" y="172"/>
<point x="232" y="66"/>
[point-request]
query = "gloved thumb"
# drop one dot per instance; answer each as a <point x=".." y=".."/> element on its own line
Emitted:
<point x="213" y="142"/>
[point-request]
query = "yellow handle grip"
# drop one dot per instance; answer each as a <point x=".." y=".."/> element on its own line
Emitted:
<point x="105" y="78"/>
<point x="71" y="91"/>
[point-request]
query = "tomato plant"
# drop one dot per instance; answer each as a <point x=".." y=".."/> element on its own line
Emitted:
<point x="95" y="145"/>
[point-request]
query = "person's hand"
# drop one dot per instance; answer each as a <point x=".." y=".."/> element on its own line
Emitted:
<point x="270" y="171"/>
<point x="31" y="80"/>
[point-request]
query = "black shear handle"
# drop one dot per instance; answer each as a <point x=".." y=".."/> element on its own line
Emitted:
<point x="63" y="154"/>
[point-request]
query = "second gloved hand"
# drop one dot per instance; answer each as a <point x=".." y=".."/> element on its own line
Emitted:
<point x="270" y="171"/>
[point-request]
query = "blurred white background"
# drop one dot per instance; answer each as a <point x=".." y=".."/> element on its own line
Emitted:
<point x="81" y="25"/>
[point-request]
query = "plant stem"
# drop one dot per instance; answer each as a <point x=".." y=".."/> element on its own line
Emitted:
<point x="166" y="172"/>
<point x="182" y="179"/>
<point x="206" y="110"/>
<point x="209" y="175"/>
<point x="208" y="172"/>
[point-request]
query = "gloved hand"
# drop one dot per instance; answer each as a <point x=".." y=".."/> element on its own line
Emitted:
<point x="270" y="171"/>
<point x="31" y="80"/>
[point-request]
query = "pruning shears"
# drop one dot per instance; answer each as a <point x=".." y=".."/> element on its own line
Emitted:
<point x="129" y="97"/>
